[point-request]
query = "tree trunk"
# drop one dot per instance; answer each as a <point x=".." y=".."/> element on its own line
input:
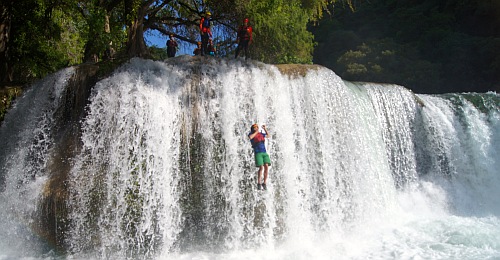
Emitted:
<point x="5" y="25"/>
<point x="136" y="46"/>
<point x="90" y="53"/>
<point x="107" y="28"/>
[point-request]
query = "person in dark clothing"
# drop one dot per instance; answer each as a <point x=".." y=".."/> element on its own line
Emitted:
<point x="261" y="157"/>
<point x="205" y="32"/>
<point x="244" y="38"/>
<point x="197" y="51"/>
<point x="211" y="48"/>
<point x="171" y="46"/>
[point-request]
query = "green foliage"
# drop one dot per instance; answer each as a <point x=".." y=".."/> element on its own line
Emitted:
<point x="132" y="10"/>
<point x="49" y="35"/>
<point x="280" y="31"/>
<point x="280" y="28"/>
<point x="33" y="47"/>
<point x="427" y="46"/>
<point x="377" y="60"/>
<point x="70" y="46"/>
<point x="158" y="53"/>
<point x="93" y="20"/>
<point x="7" y="96"/>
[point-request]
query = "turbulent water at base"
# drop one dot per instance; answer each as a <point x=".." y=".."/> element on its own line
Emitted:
<point x="166" y="171"/>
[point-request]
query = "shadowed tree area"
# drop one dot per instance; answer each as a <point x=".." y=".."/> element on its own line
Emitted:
<point x="427" y="46"/>
<point x="38" y="37"/>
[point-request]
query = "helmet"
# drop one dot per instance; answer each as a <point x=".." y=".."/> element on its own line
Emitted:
<point x="208" y="13"/>
<point x="199" y="43"/>
<point x="246" y="20"/>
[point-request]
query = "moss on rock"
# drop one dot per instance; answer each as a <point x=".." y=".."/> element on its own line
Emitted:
<point x="296" y="70"/>
<point x="7" y="96"/>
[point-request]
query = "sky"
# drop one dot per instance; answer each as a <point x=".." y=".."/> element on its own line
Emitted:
<point x="154" y="38"/>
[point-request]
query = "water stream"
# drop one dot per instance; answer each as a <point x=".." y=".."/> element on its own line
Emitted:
<point x="165" y="169"/>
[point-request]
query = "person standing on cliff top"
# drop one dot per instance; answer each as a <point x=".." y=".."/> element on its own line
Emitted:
<point x="243" y="38"/>
<point x="262" y="159"/>
<point x="172" y="46"/>
<point x="211" y="48"/>
<point x="197" y="50"/>
<point x="205" y="32"/>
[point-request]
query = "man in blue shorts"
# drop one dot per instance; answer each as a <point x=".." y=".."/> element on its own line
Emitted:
<point x="261" y="157"/>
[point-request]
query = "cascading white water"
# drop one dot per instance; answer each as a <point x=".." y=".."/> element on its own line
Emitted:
<point x="358" y="170"/>
<point x="25" y="146"/>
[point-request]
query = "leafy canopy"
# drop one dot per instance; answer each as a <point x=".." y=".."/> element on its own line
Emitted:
<point x="48" y="35"/>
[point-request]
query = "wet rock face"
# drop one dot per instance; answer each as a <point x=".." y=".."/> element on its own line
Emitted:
<point x="52" y="219"/>
<point x="52" y="208"/>
<point x="296" y="70"/>
<point x="7" y="96"/>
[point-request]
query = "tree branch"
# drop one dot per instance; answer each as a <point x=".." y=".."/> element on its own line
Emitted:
<point x="165" y="32"/>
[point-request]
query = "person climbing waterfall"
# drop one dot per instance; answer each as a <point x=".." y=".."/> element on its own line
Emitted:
<point x="243" y="38"/>
<point x="172" y="46"/>
<point x="205" y="32"/>
<point x="262" y="160"/>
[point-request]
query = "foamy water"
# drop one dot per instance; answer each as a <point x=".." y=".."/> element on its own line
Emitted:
<point x="359" y="171"/>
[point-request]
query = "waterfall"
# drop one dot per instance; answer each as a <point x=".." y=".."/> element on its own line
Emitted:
<point x="164" y="167"/>
<point x="26" y="141"/>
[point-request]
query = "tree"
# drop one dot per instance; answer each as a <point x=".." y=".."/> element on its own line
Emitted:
<point x="103" y="25"/>
<point x="427" y="46"/>
<point x="135" y="13"/>
<point x="41" y="36"/>
<point x="29" y="39"/>
<point x="5" y="26"/>
<point x="280" y="31"/>
<point x="280" y="26"/>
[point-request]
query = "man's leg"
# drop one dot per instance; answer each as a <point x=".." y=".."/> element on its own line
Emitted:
<point x="264" y="184"/>
<point x="259" y="174"/>
<point x="259" y="177"/>
<point x="204" y="43"/>
<point x="266" y="167"/>
<point x="246" y="51"/>
<point x="237" y="51"/>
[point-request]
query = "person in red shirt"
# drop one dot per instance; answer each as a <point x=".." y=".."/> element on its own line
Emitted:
<point x="205" y="32"/>
<point x="262" y="159"/>
<point x="244" y="38"/>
